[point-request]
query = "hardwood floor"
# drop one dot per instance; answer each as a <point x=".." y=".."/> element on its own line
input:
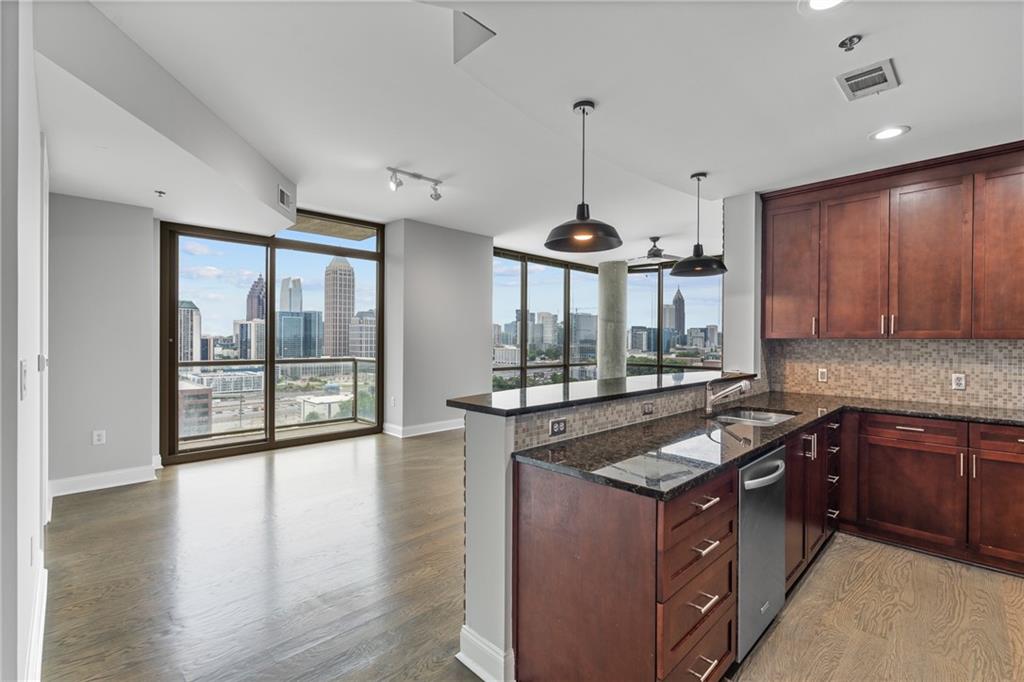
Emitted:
<point x="345" y="561"/>
<point x="335" y="561"/>
<point x="869" y="611"/>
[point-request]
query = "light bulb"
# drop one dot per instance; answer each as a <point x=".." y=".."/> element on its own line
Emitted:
<point x="395" y="182"/>
<point x="890" y="132"/>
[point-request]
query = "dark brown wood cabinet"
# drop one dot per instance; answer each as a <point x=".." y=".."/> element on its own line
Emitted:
<point x="930" y="255"/>
<point x="795" y="503"/>
<point x="913" y="489"/>
<point x="997" y="514"/>
<point x="807" y="489"/>
<point x="791" y="272"/>
<point x="998" y="254"/>
<point x="854" y="257"/>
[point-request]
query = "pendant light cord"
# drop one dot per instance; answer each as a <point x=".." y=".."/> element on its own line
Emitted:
<point x="583" y="161"/>
<point x="698" y="210"/>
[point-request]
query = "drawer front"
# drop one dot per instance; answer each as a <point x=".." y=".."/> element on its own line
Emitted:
<point x="702" y="546"/>
<point x="714" y="650"/>
<point x="677" y="517"/>
<point x="996" y="437"/>
<point x="702" y="599"/>
<point x="938" y="431"/>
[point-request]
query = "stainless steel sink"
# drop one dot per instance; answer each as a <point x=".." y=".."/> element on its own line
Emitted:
<point x="755" y="417"/>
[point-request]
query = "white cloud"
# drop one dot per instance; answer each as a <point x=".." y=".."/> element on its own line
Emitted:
<point x="198" y="248"/>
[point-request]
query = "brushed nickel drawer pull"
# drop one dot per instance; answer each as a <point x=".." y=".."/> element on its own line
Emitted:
<point x="707" y="673"/>
<point x="833" y="425"/>
<point x="834" y="450"/>
<point x="833" y="513"/>
<point x="974" y="465"/>
<point x="707" y="550"/>
<point x="711" y="502"/>
<point x="813" y="438"/>
<point x="1020" y="440"/>
<point x="892" y="325"/>
<point x="915" y="429"/>
<point x="833" y="479"/>
<point x="712" y="600"/>
<point x="883" y="325"/>
<point x="961" y="465"/>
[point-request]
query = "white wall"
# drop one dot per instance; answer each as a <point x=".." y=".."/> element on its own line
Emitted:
<point x="437" y="325"/>
<point x="741" y="289"/>
<point x="22" y="182"/>
<point x="103" y="345"/>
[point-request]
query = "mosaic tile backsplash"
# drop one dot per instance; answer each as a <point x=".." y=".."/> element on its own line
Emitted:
<point x="902" y="369"/>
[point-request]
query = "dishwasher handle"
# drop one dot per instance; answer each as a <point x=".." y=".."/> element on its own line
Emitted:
<point x="765" y="481"/>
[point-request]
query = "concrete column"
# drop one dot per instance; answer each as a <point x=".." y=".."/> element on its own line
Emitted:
<point x="741" y="287"/>
<point x="611" y="320"/>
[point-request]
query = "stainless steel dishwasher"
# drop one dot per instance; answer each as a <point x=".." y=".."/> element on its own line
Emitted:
<point x="762" y="547"/>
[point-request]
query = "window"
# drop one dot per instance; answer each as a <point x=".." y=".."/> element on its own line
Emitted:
<point x="274" y="338"/>
<point x="642" y="313"/>
<point x="544" y="321"/>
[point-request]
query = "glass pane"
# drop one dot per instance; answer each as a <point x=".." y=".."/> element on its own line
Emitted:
<point x="505" y="380"/>
<point x="326" y="306"/>
<point x="333" y="231"/>
<point x="544" y="376"/>
<point x="583" y="373"/>
<point x="636" y="370"/>
<point x="312" y="397"/>
<point x="506" y="299"/>
<point x="642" y="307"/>
<point x="366" y="405"/>
<point x="692" y="319"/>
<point x="222" y="300"/>
<point x="220" y="405"/>
<point x="545" y="300"/>
<point x="582" y="316"/>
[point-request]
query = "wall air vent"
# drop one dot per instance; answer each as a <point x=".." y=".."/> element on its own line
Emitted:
<point x="870" y="80"/>
<point x="284" y="198"/>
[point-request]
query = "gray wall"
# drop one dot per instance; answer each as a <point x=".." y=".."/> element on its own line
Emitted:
<point x="102" y="336"/>
<point x="437" y="326"/>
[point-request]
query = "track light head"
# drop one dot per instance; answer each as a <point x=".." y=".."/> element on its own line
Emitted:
<point x="395" y="182"/>
<point x="434" y="193"/>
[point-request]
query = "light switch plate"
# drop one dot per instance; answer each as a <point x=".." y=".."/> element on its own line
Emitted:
<point x="557" y="427"/>
<point x="959" y="382"/>
<point x="822" y="375"/>
<point x="99" y="437"/>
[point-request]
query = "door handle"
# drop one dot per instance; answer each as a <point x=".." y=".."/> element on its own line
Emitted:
<point x="712" y="600"/>
<point x="892" y="324"/>
<point x="915" y="429"/>
<point x="883" y="325"/>
<point x="814" y="325"/>
<point x="832" y="513"/>
<point x="707" y="550"/>
<point x="704" y="676"/>
<point x="961" y="465"/>
<point x="835" y="425"/>
<point x="833" y="479"/>
<point x="813" y="438"/>
<point x="834" y="450"/>
<point x="765" y="481"/>
<point x="974" y="465"/>
<point x="711" y="502"/>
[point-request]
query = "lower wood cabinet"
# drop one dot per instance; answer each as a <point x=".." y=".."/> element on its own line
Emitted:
<point x="807" y="499"/>
<point x="997" y="504"/>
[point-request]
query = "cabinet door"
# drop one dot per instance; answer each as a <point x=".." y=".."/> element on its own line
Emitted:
<point x="930" y="253"/>
<point x="816" y="483"/>
<point x="795" y="494"/>
<point x="998" y="254"/>
<point x="997" y="513"/>
<point x="854" y="266"/>
<point x="791" y="272"/>
<point x="912" y="489"/>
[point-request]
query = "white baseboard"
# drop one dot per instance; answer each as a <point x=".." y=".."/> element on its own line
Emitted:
<point x="34" y="662"/>
<point x="423" y="429"/>
<point x="483" y="658"/>
<point x="158" y="462"/>
<point x="105" y="479"/>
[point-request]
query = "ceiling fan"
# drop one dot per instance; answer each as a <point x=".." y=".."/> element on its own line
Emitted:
<point x="655" y="255"/>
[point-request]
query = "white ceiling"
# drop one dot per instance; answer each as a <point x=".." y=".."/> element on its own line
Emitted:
<point x="331" y="93"/>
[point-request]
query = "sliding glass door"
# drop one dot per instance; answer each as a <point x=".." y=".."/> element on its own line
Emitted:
<point x="269" y="339"/>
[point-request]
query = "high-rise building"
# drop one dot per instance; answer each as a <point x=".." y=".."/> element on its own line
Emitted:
<point x="679" y="318"/>
<point x="256" y="301"/>
<point x="207" y="346"/>
<point x="339" y="306"/>
<point x="695" y="337"/>
<point x="363" y="334"/>
<point x="511" y="335"/>
<point x="583" y="339"/>
<point x="289" y="334"/>
<point x="638" y="339"/>
<point x="252" y="344"/>
<point x="195" y="409"/>
<point x="711" y="335"/>
<point x="190" y="323"/>
<point x="312" y="333"/>
<point x="547" y="324"/>
<point x="668" y="316"/>
<point x="496" y="335"/>
<point x="291" y="295"/>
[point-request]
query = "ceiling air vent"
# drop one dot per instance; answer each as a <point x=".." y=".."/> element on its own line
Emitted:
<point x="870" y="80"/>
<point x="284" y="198"/>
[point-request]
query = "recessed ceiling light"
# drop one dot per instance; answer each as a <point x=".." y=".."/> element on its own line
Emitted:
<point x="889" y="132"/>
<point x="822" y="4"/>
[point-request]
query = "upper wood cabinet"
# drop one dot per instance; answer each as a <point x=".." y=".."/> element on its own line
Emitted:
<point x="999" y="254"/>
<point x="931" y="250"/>
<point x="791" y="272"/>
<point x="930" y="238"/>
<point x="854" y="266"/>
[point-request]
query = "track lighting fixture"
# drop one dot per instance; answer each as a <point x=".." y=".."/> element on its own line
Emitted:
<point x="395" y="181"/>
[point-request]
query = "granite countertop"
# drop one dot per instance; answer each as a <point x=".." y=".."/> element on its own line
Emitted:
<point x="542" y="398"/>
<point x="665" y="457"/>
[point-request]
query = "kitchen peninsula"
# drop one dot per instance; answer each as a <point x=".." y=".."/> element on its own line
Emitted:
<point x="616" y="545"/>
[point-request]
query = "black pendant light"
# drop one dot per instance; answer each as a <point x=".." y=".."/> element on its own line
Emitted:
<point x="584" y="234"/>
<point x="698" y="265"/>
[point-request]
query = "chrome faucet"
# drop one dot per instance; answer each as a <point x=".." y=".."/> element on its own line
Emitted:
<point x="710" y="397"/>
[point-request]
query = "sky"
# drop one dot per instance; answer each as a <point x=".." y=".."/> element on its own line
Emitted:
<point x="703" y="294"/>
<point x="216" y="276"/>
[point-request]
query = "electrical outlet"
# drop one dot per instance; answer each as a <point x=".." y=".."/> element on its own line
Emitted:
<point x="647" y="408"/>
<point x="99" y="437"/>
<point x="392" y="401"/>
<point x="556" y="427"/>
<point x="822" y="375"/>
<point x="959" y="382"/>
